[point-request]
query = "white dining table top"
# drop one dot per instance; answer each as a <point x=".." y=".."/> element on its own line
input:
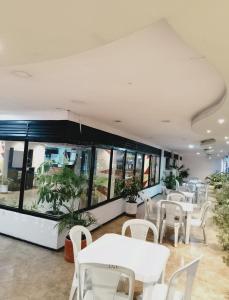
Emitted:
<point x="146" y="259"/>
<point x="188" y="194"/>
<point x="187" y="207"/>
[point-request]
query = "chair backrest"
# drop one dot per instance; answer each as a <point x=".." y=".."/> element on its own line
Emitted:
<point x="173" y="211"/>
<point x="139" y="229"/>
<point x="177" y="185"/>
<point x="76" y="233"/>
<point x="184" y="290"/>
<point x="203" y="213"/>
<point x="100" y="281"/>
<point x="176" y="196"/>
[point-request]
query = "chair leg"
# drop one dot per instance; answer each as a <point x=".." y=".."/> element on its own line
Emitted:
<point x="73" y="288"/>
<point x="205" y="237"/>
<point x="176" y="232"/>
<point x="162" y="232"/>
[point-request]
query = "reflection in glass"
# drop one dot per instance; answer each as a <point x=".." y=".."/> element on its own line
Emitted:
<point x="117" y="172"/>
<point x="146" y="171"/>
<point x="152" y="170"/>
<point x="59" y="156"/>
<point x="11" y="161"/>
<point x="157" y="173"/>
<point x="130" y="160"/>
<point x="101" y="176"/>
<point x="138" y="169"/>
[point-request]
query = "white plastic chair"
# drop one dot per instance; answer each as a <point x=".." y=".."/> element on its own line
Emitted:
<point x="152" y="211"/>
<point x="139" y="229"/>
<point x="177" y="185"/>
<point x="201" y="221"/>
<point x="173" y="218"/>
<point x="173" y="291"/>
<point x="176" y="196"/>
<point x="76" y="233"/>
<point x="103" y="282"/>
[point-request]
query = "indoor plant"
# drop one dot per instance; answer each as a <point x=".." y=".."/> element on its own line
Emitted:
<point x="69" y="220"/>
<point x="57" y="187"/>
<point x="130" y="191"/>
<point x="221" y="218"/>
<point x="170" y="181"/>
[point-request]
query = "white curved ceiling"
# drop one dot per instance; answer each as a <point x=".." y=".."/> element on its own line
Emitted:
<point x="148" y="76"/>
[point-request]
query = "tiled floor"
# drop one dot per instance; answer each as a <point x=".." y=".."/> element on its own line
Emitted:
<point x="31" y="272"/>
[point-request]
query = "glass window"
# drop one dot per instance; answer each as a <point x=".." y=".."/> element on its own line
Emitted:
<point x="117" y="172"/>
<point x="11" y="161"/>
<point x="138" y="169"/>
<point x="146" y="171"/>
<point x="152" y="170"/>
<point x="130" y="161"/>
<point x="101" y="176"/>
<point x="53" y="161"/>
<point x="157" y="172"/>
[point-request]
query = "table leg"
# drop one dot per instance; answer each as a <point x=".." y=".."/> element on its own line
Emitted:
<point x="187" y="228"/>
<point x="147" y="291"/>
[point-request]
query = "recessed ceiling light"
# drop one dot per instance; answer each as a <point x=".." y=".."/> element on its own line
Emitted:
<point x="75" y="101"/>
<point x="209" y="147"/>
<point x="117" y="121"/>
<point x="165" y="121"/>
<point x="190" y="146"/>
<point x="221" y="121"/>
<point x="226" y="137"/>
<point x="218" y="155"/>
<point x="209" y="157"/>
<point x="208" y="131"/>
<point x="227" y="142"/>
<point x="197" y="153"/>
<point x="21" y="74"/>
<point x="221" y="151"/>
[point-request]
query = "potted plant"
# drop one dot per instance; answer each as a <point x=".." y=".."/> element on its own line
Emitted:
<point x="4" y="185"/>
<point x="130" y="191"/>
<point x="57" y="187"/>
<point x="69" y="220"/>
<point x="170" y="181"/>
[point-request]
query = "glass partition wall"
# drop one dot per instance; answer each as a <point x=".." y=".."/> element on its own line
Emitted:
<point x="100" y="169"/>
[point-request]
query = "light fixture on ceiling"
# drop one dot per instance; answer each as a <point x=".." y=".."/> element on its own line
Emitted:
<point x="208" y="131"/>
<point x="21" y="74"/>
<point x="117" y="121"/>
<point x="197" y="153"/>
<point x="226" y="137"/>
<point x="227" y="142"/>
<point x="75" y="101"/>
<point x="221" y="121"/>
<point x="190" y="146"/>
<point x="209" y="147"/>
<point x="165" y="121"/>
<point x="209" y="157"/>
<point x="221" y="151"/>
<point x="218" y="155"/>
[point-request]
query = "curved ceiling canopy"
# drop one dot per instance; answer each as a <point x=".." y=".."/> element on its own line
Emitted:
<point x="106" y="61"/>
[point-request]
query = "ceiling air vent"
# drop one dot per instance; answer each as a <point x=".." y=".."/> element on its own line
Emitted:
<point x="208" y="142"/>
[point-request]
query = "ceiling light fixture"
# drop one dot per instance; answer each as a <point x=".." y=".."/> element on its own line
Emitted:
<point x="190" y="146"/>
<point x="208" y="131"/>
<point x="21" y="74"/>
<point x="117" y="121"/>
<point x="197" y="153"/>
<point x="221" y="151"/>
<point x="226" y="137"/>
<point x="227" y="142"/>
<point x="165" y="121"/>
<point x="221" y="121"/>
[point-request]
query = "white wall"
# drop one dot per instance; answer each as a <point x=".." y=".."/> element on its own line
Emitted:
<point x="200" y="166"/>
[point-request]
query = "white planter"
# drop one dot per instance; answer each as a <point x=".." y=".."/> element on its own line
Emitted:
<point x="3" y="188"/>
<point x="131" y="208"/>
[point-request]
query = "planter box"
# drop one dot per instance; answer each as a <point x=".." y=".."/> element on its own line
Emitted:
<point x="131" y="208"/>
<point x="3" y="188"/>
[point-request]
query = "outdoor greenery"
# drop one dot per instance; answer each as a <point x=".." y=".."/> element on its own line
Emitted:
<point x="221" y="218"/>
<point x="57" y="187"/>
<point x="4" y="180"/>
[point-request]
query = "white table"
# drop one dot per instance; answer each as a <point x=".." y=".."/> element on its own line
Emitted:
<point x="146" y="259"/>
